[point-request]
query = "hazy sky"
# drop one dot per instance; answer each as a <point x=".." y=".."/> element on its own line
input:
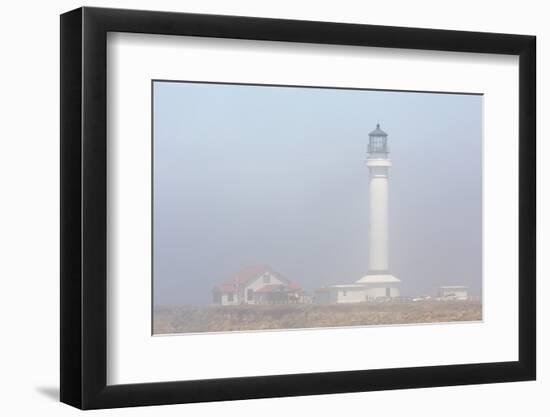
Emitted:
<point x="277" y="175"/>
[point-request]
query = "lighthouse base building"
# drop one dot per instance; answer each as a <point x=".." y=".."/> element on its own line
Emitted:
<point x="379" y="287"/>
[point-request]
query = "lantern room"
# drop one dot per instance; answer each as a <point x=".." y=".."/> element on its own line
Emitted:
<point x="378" y="142"/>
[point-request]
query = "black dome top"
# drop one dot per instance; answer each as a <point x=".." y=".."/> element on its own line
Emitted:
<point x="378" y="131"/>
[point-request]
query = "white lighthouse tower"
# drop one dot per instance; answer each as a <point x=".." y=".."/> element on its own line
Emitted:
<point x="379" y="281"/>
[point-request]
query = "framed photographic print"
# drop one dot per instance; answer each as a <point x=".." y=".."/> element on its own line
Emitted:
<point x="259" y="207"/>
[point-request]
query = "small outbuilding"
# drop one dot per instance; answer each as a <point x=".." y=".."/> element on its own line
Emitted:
<point x="453" y="292"/>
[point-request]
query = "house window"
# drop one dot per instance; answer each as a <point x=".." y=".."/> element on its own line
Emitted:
<point x="230" y="297"/>
<point x="250" y="294"/>
<point x="344" y="293"/>
<point x="267" y="279"/>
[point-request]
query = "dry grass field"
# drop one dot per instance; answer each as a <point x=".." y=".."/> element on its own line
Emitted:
<point x="194" y="319"/>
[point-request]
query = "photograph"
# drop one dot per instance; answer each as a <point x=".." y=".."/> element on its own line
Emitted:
<point x="319" y="205"/>
<point x="280" y="207"/>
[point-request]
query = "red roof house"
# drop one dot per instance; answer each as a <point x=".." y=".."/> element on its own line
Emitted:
<point x="257" y="284"/>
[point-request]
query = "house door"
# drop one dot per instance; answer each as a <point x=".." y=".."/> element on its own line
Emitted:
<point x="388" y="292"/>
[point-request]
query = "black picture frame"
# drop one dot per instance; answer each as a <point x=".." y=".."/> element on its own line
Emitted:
<point x="84" y="207"/>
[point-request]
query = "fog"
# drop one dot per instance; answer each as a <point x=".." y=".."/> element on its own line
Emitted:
<point x="277" y="175"/>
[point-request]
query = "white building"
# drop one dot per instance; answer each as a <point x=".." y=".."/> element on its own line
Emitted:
<point x="379" y="282"/>
<point x="368" y="288"/>
<point x="380" y="286"/>
<point x="453" y="292"/>
<point x="257" y="285"/>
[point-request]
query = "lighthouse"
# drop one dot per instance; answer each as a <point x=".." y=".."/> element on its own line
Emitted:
<point x="379" y="283"/>
<point x="379" y="280"/>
